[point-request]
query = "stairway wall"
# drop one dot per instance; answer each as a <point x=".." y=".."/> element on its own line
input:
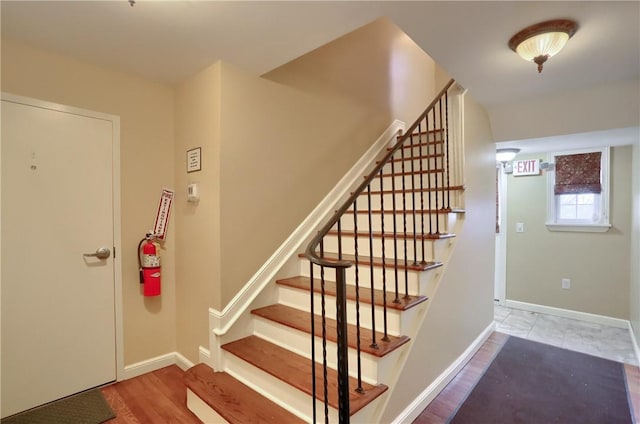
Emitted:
<point x="279" y="150"/>
<point x="462" y="307"/>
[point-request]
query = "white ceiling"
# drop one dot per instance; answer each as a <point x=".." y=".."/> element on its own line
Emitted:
<point x="171" y="40"/>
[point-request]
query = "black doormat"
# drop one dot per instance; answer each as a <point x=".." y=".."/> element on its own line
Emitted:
<point x="88" y="407"/>
<point x="530" y="382"/>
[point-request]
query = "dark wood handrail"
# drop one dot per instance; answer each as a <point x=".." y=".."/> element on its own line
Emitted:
<point x="311" y="251"/>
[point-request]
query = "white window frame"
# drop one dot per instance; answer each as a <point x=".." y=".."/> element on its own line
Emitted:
<point x="555" y="224"/>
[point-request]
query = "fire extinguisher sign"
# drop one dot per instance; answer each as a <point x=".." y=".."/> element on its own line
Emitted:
<point x="162" y="218"/>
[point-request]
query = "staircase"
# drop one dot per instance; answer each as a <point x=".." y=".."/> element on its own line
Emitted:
<point x="362" y="290"/>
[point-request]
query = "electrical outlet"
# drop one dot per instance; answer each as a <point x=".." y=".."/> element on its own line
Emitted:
<point x="566" y="283"/>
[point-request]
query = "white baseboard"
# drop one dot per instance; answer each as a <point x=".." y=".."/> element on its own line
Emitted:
<point x="414" y="409"/>
<point x="153" y="364"/>
<point x="636" y="346"/>
<point x="567" y="313"/>
<point x="204" y="355"/>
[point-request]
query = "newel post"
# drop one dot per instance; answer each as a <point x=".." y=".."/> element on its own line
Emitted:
<point x="343" y="347"/>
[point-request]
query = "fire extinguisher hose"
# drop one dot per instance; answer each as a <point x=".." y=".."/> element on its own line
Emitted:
<point x="140" y="261"/>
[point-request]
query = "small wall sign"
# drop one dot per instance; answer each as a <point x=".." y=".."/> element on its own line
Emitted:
<point x="193" y="160"/>
<point x="526" y="167"/>
<point x="162" y="218"/>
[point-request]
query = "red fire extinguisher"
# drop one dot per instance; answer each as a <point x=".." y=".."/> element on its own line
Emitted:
<point x="149" y="265"/>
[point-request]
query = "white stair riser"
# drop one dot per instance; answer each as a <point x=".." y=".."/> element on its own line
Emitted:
<point x="438" y="221"/>
<point x="406" y="202"/>
<point x="300" y="343"/>
<point x="300" y="299"/>
<point x="413" y="279"/>
<point x="387" y="182"/>
<point x="202" y="410"/>
<point x="297" y="402"/>
<point x="391" y="249"/>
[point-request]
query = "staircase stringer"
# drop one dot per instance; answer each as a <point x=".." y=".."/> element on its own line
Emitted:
<point x="394" y="376"/>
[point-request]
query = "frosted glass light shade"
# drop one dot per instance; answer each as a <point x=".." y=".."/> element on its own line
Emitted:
<point x="541" y="41"/>
<point x="548" y="44"/>
<point x="506" y="155"/>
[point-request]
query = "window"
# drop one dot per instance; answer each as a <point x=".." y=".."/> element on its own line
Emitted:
<point x="578" y="191"/>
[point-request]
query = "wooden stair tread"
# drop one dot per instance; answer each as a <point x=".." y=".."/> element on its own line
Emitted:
<point x="234" y="401"/>
<point x="295" y="370"/>
<point x="299" y="320"/>
<point x="400" y="235"/>
<point x="404" y="303"/>
<point x="377" y="262"/>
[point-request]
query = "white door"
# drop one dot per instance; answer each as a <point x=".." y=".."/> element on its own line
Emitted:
<point x="58" y="319"/>
<point x="500" y="283"/>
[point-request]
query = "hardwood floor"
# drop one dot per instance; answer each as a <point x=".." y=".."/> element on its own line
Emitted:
<point x="445" y="404"/>
<point x="160" y="396"/>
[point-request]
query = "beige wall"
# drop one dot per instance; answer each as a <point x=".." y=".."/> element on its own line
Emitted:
<point x="598" y="264"/>
<point x="146" y="163"/>
<point x="198" y="264"/>
<point x="284" y="141"/>
<point x="377" y="66"/>
<point x="618" y="106"/>
<point x="463" y="305"/>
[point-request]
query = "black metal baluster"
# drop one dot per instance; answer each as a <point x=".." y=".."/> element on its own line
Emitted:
<point x="413" y="196"/>
<point x="324" y="337"/>
<point x="313" y="345"/>
<point x="435" y="160"/>
<point x="374" y="344"/>
<point x="339" y="239"/>
<point x="435" y="149"/>
<point x="395" y="229"/>
<point x="384" y="267"/>
<point x="404" y="225"/>
<point x="357" y="278"/>
<point x="428" y="174"/>
<point x="343" y="347"/>
<point x="446" y="115"/>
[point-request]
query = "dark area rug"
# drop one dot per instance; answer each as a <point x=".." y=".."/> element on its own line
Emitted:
<point x="530" y="382"/>
<point x="88" y="407"/>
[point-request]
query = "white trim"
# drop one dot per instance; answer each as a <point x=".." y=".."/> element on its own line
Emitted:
<point x="586" y="228"/>
<point x="553" y="223"/>
<point x="204" y="355"/>
<point x="117" y="223"/>
<point x="223" y="320"/>
<point x="202" y="410"/>
<point x="156" y="363"/>
<point x="414" y="409"/>
<point x="182" y="362"/>
<point x="150" y="365"/>
<point x="500" y="277"/>
<point x="634" y="341"/>
<point x="567" y="313"/>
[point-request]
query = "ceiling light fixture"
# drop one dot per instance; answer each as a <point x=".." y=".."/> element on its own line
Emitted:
<point x="539" y="42"/>
<point x="506" y="155"/>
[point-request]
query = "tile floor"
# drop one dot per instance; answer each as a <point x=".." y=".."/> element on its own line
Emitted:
<point x="586" y="337"/>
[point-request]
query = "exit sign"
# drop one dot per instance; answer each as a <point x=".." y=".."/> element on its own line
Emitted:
<point x="526" y="167"/>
